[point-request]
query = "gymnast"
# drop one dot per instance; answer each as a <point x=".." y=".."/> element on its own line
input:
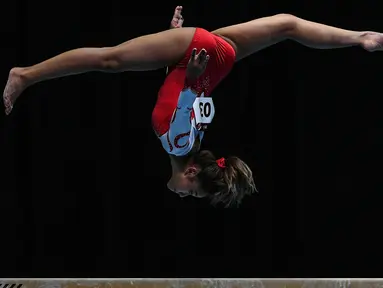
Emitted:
<point x="198" y="60"/>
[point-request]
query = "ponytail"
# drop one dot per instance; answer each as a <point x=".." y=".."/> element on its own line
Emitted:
<point x="226" y="181"/>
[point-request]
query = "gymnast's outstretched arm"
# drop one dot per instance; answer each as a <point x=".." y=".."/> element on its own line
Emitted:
<point x="177" y="21"/>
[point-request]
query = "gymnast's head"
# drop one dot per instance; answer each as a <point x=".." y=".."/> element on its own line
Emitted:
<point x="224" y="181"/>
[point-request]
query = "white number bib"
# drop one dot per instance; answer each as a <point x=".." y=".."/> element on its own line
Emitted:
<point x="204" y="111"/>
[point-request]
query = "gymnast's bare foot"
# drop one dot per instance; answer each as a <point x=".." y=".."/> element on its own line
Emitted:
<point x="15" y="86"/>
<point x="372" y="41"/>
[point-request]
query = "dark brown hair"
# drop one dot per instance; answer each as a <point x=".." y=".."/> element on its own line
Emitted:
<point x="228" y="185"/>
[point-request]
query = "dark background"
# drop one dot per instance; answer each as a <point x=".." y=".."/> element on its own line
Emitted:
<point x="79" y="199"/>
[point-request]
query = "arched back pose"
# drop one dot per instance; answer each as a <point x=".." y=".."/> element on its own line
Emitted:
<point x="194" y="172"/>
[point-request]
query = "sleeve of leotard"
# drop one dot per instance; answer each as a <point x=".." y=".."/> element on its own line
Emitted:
<point x="180" y="132"/>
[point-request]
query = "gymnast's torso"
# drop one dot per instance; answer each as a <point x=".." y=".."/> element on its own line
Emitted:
<point x="180" y="116"/>
<point x="190" y="119"/>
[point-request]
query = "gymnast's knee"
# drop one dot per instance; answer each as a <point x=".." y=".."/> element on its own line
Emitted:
<point x="287" y="23"/>
<point x="110" y="60"/>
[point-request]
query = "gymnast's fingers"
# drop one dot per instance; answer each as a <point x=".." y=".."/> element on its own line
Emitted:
<point x="202" y="56"/>
<point x="180" y="22"/>
<point x="178" y="11"/>
<point x="193" y="54"/>
<point x="207" y="59"/>
<point x="204" y="64"/>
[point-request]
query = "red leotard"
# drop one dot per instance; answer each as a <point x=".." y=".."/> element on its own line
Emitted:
<point x="222" y="58"/>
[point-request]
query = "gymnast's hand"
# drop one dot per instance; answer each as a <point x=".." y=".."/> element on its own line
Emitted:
<point x="372" y="41"/>
<point x="197" y="64"/>
<point x="177" y="20"/>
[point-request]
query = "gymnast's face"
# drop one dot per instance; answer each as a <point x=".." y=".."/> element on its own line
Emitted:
<point x="186" y="183"/>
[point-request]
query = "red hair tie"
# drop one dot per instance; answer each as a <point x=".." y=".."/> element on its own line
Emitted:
<point x="221" y="162"/>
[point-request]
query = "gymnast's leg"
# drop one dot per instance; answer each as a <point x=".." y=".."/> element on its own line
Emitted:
<point x="258" y="34"/>
<point x="140" y="54"/>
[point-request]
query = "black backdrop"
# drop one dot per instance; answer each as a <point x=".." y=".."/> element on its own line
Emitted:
<point x="78" y="199"/>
